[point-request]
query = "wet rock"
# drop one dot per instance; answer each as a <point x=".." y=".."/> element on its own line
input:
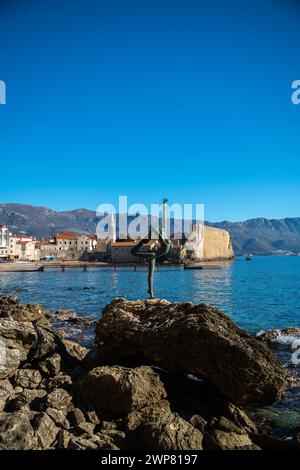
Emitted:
<point x="16" y="432"/>
<point x="270" y="336"/>
<point x="28" y="378"/>
<point x="222" y="434"/>
<point x="194" y="339"/>
<point x="6" y="390"/>
<point x="59" y="399"/>
<point x="45" y="430"/>
<point x="64" y="315"/>
<point x="25" y="313"/>
<point x="119" y="390"/>
<point x="159" y="429"/>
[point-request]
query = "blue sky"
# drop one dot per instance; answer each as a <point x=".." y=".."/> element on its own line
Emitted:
<point x="185" y="99"/>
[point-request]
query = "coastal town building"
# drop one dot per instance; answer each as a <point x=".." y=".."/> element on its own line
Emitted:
<point x="23" y="248"/>
<point x="48" y="249"/>
<point x="72" y="245"/>
<point x="121" y="252"/>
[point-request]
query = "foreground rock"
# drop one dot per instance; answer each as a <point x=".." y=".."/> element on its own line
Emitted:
<point x="156" y="427"/>
<point x="119" y="390"/>
<point x="53" y="395"/>
<point x="194" y="339"/>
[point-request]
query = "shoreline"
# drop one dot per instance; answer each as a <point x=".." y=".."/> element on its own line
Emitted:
<point x="41" y="266"/>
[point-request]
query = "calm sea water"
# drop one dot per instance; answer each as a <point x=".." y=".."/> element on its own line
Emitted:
<point x="260" y="294"/>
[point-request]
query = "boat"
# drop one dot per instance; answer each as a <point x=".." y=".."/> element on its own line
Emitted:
<point x="20" y="267"/>
<point x="248" y="258"/>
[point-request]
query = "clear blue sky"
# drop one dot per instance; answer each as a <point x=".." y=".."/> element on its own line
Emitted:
<point x="193" y="95"/>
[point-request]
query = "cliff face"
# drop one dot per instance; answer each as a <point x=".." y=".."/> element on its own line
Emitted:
<point x="209" y="244"/>
<point x="217" y="244"/>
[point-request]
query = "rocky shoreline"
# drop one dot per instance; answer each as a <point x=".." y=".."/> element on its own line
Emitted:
<point x="160" y="376"/>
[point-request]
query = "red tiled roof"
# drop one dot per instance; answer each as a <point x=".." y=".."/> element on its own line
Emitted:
<point x="67" y="236"/>
<point x="124" y="243"/>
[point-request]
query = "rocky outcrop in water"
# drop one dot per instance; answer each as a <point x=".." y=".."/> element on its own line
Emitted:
<point x="54" y="394"/>
<point x="194" y="339"/>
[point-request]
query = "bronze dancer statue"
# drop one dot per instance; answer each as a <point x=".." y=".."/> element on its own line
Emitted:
<point x="151" y="256"/>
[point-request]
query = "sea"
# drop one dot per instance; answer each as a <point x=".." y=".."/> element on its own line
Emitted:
<point x="261" y="294"/>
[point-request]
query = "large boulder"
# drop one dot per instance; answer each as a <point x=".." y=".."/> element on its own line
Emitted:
<point x="193" y="339"/>
<point x="119" y="390"/>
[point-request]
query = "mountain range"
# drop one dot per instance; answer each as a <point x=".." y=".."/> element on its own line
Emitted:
<point x="256" y="236"/>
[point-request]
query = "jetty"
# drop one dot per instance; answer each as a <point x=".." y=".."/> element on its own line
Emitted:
<point x="20" y="267"/>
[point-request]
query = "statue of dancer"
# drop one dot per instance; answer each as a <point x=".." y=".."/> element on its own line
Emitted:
<point x="151" y="256"/>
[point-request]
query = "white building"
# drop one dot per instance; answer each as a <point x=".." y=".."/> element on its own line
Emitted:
<point x="72" y="245"/>
<point x="4" y="242"/>
<point x="23" y="248"/>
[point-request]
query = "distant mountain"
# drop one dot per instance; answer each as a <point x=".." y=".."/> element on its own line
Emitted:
<point x="257" y="236"/>
<point x="263" y="236"/>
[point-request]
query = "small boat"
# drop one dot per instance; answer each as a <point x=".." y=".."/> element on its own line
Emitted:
<point x="248" y="258"/>
<point x="201" y="266"/>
